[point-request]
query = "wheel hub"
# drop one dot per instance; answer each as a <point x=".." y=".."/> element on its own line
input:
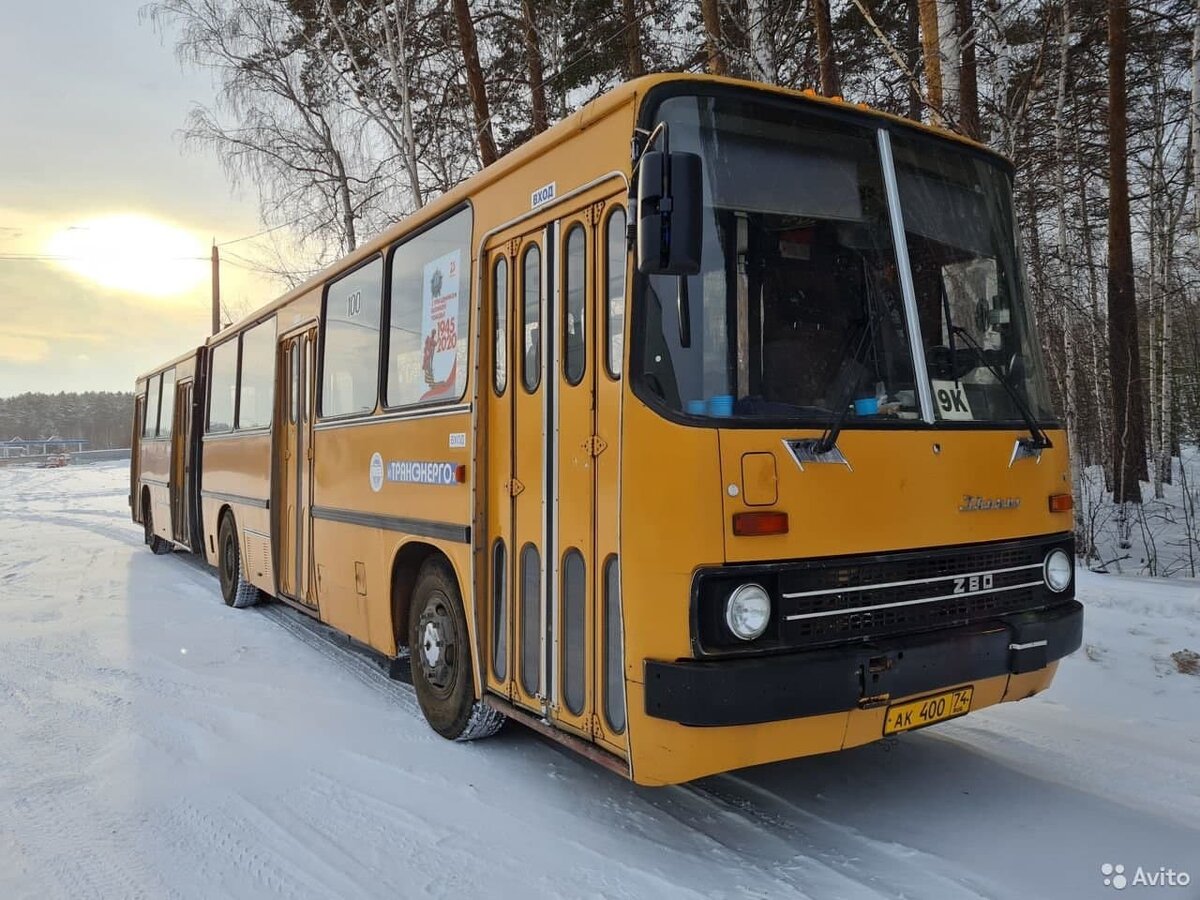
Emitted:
<point x="437" y="636"/>
<point x="431" y="645"/>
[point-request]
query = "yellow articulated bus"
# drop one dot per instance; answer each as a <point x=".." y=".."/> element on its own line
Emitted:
<point x="732" y="449"/>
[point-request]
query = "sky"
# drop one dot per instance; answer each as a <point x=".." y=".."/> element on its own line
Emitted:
<point x="93" y="172"/>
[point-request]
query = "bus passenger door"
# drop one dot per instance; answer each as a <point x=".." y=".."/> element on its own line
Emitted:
<point x="515" y="282"/>
<point x="293" y="463"/>
<point x="135" y="455"/>
<point x="575" y="449"/>
<point x="181" y="463"/>
<point x="608" y="338"/>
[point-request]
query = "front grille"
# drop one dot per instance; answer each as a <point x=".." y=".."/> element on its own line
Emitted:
<point x="961" y="610"/>
<point x="854" y="599"/>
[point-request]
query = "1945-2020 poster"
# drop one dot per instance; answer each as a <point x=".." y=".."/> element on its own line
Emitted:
<point x="439" y="325"/>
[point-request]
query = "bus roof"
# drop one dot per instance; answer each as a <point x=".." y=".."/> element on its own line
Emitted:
<point x="161" y="367"/>
<point x="602" y="106"/>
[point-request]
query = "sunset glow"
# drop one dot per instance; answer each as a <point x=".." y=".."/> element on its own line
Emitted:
<point x="131" y="252"/>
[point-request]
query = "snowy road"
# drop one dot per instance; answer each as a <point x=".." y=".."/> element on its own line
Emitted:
<point x="154" y="743"/>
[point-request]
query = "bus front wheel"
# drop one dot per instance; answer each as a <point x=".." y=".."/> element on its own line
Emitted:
<point x="441" y="659"/>
<point x="237" y="592"/>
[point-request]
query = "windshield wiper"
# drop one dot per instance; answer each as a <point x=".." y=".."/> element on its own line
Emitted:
<point x="828" y="440"/>
<point x="1041" y="441"/>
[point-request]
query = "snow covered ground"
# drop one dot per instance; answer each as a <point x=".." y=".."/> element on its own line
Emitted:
<point x="154" y="743"/>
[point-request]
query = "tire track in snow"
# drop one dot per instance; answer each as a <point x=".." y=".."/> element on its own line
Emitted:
<point x="334" y="647"/>
<point x="887" y="869"/>
<point x="124" y="535"/>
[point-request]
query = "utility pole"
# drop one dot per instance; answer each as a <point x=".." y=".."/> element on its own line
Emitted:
<point x="216" y="288"/>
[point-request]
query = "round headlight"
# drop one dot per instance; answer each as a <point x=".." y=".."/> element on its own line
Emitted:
<point x="747" y="611"/>
<point x="1057" y="571"/>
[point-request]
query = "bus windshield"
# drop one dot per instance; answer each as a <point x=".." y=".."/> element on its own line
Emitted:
<point x="797" y="313"/>
<point x="975" y="325"/>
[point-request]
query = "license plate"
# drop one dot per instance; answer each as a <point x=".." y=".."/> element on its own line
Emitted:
<point x="927" y="710"/>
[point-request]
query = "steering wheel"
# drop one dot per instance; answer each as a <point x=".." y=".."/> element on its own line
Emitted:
<point x="950" y="365"/>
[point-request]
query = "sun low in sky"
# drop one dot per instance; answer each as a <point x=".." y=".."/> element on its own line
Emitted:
<point x="132" y="252"/>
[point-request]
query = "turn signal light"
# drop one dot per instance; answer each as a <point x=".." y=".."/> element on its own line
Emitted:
<point x="460" y="474"/>
<point x="1061" y="503"/>
<point x="749" y="524"/>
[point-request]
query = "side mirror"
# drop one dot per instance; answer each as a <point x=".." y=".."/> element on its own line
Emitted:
<point x="670" y="200"/>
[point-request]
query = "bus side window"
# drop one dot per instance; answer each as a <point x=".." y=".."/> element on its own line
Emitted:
<point x="531" y="321"/>
<point x="429" y="315"/>
<point x="166" y="405"/>
<point x="574" y="299"/>
<point x="614" y="276"/>
<point x="150" y="425"/>
<point x="256" y="377"/>
<point x="222" y="386"/>
<point x="500" y="320"/>
<point x="350" y="353"/>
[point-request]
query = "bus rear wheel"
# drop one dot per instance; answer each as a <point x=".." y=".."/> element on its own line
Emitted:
<point x="237" y="592"/>
<point x="157" y="545"/>
<point x="441" y="659"/>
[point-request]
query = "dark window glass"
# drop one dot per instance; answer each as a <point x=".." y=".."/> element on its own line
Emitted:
<point x="166" y="406"/>
<point x="574" y="312"/>
<point x="222" y="386"/>
<point x="531" y="319"/>
<point x="500" y="325"/>
<point x="150" y="425"/>
<point x="574" y="597"/>
<point x="531" y="582"/>
<point x="294" y="399"/>
<point x="614" y="661"/>
<point x="614" y="277"/>
<point x="499" y="611"/>
<point x="256" y="399"/>
<point x="797" y="310"/>
<point x="430" y="315"/>
<point x="350" y="360"/>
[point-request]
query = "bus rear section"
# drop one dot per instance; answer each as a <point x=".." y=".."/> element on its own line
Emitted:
<point x="165" y="456"/>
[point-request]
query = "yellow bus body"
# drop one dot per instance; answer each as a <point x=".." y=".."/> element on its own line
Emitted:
<point x="660" y="496"/>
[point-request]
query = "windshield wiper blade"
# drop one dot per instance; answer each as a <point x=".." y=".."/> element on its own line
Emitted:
<point x="1041" y="441"/>
<point x="828" y="440"/>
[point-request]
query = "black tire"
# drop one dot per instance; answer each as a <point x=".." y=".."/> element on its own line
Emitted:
<point x="158" y="546"/>
<point x="237" y="592"/>
<point x="441" y="659"/>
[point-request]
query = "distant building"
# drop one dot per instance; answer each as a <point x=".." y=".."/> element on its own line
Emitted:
<point x="17" y="447"/>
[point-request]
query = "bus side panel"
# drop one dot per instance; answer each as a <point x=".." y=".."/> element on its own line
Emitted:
<point x="361" y="522"/>
<point x="670" y="524"/>
<point x="236" y="474"/>
<point x="154" y="471"/>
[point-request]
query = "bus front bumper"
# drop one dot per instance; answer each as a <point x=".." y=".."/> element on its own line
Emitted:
<point x="838" y="679"/>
